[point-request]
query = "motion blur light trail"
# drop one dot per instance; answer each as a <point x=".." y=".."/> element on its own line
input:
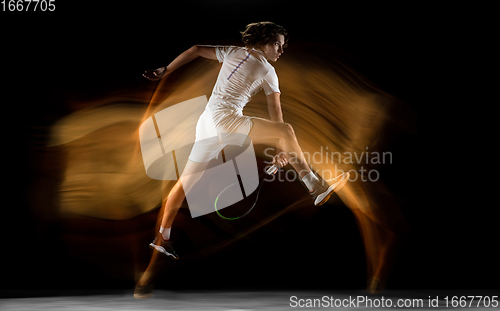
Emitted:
<point x="328" y="104"/>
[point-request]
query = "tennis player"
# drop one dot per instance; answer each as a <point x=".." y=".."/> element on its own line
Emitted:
<point x="244" y="72"/>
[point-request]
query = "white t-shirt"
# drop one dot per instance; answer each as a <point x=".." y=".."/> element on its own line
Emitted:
<point x="243" y="74"/>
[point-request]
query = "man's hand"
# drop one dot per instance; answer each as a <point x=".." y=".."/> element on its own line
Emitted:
<point x="157" y="74"/>
<point x="280" y="159"/>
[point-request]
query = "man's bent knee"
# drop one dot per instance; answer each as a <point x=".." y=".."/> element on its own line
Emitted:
<point x="286" y="131"/>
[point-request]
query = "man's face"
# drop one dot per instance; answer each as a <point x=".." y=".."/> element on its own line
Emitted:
<point x="274" y="48"/>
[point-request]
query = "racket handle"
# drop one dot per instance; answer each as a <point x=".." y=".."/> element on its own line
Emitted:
<point x="273" y="169"/>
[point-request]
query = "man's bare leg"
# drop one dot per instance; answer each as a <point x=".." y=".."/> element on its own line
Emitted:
<point x="269" y="132"/>
<point x="264" y="130"/>
<point x="191" y="174"/>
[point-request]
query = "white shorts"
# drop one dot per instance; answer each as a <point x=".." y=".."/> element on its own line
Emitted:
<point x="215" y="130"/>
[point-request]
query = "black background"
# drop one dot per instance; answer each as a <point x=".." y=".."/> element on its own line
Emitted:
<point x="438" y="57"/>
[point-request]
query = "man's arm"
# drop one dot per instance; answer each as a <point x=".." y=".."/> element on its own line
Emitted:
<point x="276" y="114"/>
<point x="190" y="55"/>
<point x="274" y="107"/>
<point x="184" y="58"/>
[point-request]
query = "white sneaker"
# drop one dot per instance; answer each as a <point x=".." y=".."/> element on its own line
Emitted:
<point x="164" y="247"/>
<point x="322" y="193"/>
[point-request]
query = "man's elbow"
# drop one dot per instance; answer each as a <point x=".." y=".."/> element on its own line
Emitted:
<point x="195" y="50"/>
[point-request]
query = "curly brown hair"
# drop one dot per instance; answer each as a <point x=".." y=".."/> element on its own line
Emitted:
<point x="261" y="33"/>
